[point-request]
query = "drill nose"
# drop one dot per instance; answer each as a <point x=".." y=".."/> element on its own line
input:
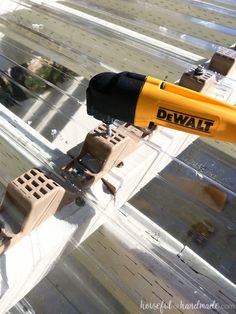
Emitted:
<point x="103" y="81"/>
<point x="114" y="95"/>
<point x="97" y="92"/>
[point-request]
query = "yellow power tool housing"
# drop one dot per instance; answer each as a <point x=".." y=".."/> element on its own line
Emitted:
<point x="145" y="100"/>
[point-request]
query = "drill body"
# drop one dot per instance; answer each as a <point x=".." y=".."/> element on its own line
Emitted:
<point x="146" y="101"/>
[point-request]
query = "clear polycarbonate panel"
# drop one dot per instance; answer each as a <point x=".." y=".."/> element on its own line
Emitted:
<point x="194" y="198"/>
<point x="152" y="19"/>
<point x="45" y="71"/>
<point x="175" y="238"/>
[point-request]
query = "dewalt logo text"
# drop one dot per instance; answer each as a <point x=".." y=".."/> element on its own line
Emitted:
<point x="184" y="120"/>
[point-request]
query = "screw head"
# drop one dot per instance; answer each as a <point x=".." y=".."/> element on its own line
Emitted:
<point x="199" y="70"/>
<point x="79" y="201"/>
<point x="121" y="164"/>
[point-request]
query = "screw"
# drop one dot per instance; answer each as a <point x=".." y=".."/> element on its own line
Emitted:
<point x="199" y="70"/>
<point x="109" y="130"/>
<point x="121" y="164"/>
<point x="79" y="201"/>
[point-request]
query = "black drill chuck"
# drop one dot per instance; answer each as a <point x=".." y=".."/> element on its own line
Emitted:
<point x="114" y="95"/>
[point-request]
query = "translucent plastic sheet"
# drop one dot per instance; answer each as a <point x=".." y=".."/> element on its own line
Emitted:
<point x="50" y="71"/>
<point x="180" y="200"/>
<point x="150" y="24"/>
<point x="120" y="253"/>
<point x="175" y="215"/>
<point x="128" y="250"/>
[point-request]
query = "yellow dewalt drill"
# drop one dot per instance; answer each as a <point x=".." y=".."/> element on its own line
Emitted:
<point x="146" y="101"/>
